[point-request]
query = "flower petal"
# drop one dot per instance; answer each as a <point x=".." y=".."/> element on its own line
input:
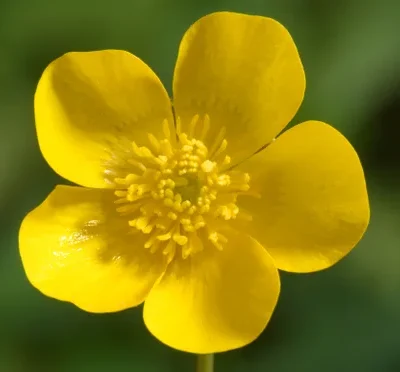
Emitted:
<point x="216" y="300"/>
<point x="85" y="103"/>
<point x="244" y="72"/>
<point x="314" y="204"/>
<point x="75" y="248"/>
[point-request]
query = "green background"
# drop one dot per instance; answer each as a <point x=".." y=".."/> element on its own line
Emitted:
<point x="343" y="319"/>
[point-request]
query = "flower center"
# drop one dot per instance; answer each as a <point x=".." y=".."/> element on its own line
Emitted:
<point x="190" y="190"/>
<point x="178" y="192"/>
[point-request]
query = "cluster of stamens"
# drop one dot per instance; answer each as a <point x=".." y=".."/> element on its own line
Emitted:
<point x="178" y="192"/>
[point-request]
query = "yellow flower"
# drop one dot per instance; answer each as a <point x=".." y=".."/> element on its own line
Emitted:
<point x="179" y="209"/>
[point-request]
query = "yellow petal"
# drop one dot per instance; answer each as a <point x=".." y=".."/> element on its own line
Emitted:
<point x="216" y="300"/>
<point x="88" y="104"/>
<point x="314" y="204"/>
<point x="75" y="248"/>
<point x="244" y="72"/>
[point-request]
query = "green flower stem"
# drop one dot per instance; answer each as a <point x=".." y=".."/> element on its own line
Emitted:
<point x="205" y="363"/>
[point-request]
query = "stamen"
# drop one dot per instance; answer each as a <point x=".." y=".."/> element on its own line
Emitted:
<point x="154" y="142"/>
<point x="177" y="192"/>
<point x="217" y="142"/>
<point x="221" y="148"/>
<point x="192" y="125"/>
<point x="206" y="127"/>
<point x="166" y="131"/>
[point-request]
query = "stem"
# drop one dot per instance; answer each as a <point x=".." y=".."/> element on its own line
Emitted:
<point x="205" y="363"/>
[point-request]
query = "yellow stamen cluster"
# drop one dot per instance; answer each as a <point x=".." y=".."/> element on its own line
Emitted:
<point x="177" y="193"/>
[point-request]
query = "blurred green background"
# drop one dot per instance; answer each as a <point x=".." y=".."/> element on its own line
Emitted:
<point x="344" y="319"/>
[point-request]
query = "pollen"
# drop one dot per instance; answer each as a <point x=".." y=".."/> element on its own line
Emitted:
<point x="178" y="192"/>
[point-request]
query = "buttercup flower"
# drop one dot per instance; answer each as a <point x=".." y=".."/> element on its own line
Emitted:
<point x="189" y="207"/>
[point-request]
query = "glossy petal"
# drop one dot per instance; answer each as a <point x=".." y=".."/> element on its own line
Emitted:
<point x="244" y="72"/>
<point x="75" y="248"/>
<point x="314" y="204"/>
<point x="215" y="301"/>
<point x="88" y="104"/>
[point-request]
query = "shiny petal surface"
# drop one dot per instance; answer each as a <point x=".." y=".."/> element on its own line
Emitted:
<point x="244" y="72"/>
<point x="87" y="104"/>
<point x="216" y="300"/>
<point x="75" y="248"/>
<point x="314" y="204"/>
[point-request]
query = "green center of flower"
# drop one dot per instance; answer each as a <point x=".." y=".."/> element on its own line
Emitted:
<point x="179" y="193"/>
<point x="190" y="190"/>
